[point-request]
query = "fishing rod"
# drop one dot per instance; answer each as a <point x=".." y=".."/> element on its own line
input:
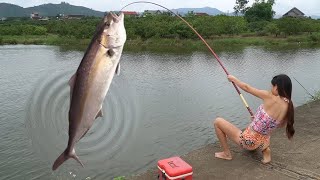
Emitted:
<point x="204" y="41"/>
<point x="304" y="88"/>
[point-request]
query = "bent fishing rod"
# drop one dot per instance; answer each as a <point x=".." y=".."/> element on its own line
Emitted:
<point x="203" y="40"/>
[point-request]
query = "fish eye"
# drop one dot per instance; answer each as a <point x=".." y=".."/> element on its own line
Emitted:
<point x="110" y="52"/>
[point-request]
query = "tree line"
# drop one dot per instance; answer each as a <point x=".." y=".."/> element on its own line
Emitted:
<point x="167" y="27"/>
<point x="256" y="20"/>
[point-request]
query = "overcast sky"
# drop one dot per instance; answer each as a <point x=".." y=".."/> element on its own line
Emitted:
<point x="309" y="7"/>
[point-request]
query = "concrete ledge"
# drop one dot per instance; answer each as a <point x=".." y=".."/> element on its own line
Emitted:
<point x="296" y="159"/>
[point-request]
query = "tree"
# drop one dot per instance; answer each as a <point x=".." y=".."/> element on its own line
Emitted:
<point x="190" y="14"/>
<point x="290" y="25"/>
<point x="272" y="28"/>
<point x="260" y="11"/>
<point x="272" y="2"/>
<point x="240" y="6"/>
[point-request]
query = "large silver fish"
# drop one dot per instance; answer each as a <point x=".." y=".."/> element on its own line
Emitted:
<point x="90" y="84"/>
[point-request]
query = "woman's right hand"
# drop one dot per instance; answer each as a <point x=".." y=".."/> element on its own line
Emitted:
<point x="231" y="78"/>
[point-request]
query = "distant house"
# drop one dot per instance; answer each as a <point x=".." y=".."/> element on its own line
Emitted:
<point x="60" y="16"/>
<point x="44" y="19"/>
<point x="201" y="14"/>
<point x="3" y="19"/>
<point x="168" y="13"/>
<point x="73" y="16"/>
<point x="152" y="12"/>
<point x="35" y="16"/>
<point x="294" y="12"/>
<point x="130" y="13"/>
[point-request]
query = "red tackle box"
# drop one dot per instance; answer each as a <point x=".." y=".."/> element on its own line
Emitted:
<point x="174" y="168"/>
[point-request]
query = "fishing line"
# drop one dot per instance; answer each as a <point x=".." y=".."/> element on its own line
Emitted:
<point x="204" y="41"/>
<point x="305" y="89"/>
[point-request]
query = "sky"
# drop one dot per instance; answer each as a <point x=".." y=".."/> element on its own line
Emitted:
<point x="309" y="7"/>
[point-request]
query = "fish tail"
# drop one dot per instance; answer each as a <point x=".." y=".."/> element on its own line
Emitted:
<point x="65" y="156"/>
<point x="74" y="156"/>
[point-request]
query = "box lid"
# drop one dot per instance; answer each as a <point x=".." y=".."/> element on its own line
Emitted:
<point x="174" y="167"/>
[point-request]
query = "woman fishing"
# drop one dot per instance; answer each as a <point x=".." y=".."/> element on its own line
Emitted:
<point x="276" y="111"/>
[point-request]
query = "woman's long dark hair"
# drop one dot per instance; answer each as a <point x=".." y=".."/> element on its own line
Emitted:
<point x="284" y="85"/>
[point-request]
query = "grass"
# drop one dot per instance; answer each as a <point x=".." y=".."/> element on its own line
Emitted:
<point x="161" y="44"/>
<point x="316" y="96"/>
<point x="221" y="43"/>
<point x="119" y="178"/>
<point x="43" y="39"/>
<point x="315" y="38"/>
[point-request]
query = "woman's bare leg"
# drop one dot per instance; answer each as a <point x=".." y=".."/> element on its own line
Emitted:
<point x="223" y="130"/>
<point x="266" y="155"/>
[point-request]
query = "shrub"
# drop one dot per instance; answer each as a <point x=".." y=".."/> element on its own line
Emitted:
<point x="315" y="38"/>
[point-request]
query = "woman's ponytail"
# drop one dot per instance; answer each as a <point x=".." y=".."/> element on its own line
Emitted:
<point x="290" y="121"/>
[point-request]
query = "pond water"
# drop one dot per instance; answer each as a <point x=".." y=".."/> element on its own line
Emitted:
<point x="162" y="104"/>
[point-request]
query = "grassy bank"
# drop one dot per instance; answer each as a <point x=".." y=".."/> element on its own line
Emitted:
<point x="227" y="42"/>
<point x="315" y="97"/>
<point x="218" y="43"/>
<point x="43" y="40"/>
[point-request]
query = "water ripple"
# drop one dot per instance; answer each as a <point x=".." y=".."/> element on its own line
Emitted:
<point x="47" y="121"/>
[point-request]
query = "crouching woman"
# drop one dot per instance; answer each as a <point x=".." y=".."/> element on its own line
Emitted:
<point x="276" y="111"/>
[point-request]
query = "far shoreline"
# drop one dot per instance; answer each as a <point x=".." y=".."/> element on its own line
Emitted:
<point x="154" y="44"/>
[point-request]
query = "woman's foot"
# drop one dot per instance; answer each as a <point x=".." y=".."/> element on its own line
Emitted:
<point x="223" y="155"/>
<point x="266" y="156"/>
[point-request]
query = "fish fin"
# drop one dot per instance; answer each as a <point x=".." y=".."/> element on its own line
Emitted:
<point x="65" y="156"/>
<point x="72" y="80"/>
<point x="83" y="134"/>
<point x="118" y="69"/>
<point x="74" y="156"/>
<point x="62" y="158"/>
<point x="71" y="84"/>
<point x="100" y="114"/>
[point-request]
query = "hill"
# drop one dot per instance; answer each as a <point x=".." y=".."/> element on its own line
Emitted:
<point x="315" y="17"/>
<point x="10" y="10"/>
<point x="208" y="10"/>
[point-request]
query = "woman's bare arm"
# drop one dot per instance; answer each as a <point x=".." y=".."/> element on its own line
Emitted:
<point x="262" y="94"/>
